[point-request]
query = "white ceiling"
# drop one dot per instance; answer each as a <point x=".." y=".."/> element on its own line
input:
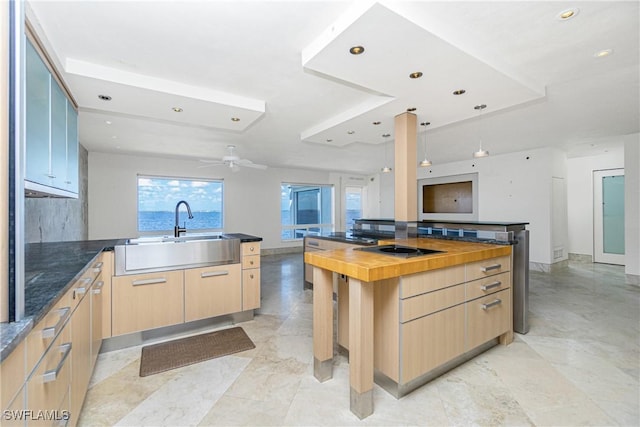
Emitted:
<point x="284" y="69"/>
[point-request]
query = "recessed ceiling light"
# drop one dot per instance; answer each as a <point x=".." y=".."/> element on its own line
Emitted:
<point x="177" y="109"/>
<point x="356" y="50"/>
<point x="108" y="122"/>
<point x="329" y="140"/>
<point x="459" y="92"/>
<point x="104" y="97"/>
<point x="568" y="14"/>
<point x="351" y="132"/>
<point x="415" y="75"/>
<point x="386" y="135"/>
<point x="411" y="109"/>
<point x="603" y="53"/>
<point x="376" y="123"/>
<point x="235" y="119"/>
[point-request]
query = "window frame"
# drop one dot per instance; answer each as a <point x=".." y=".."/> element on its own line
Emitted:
<point x="306" y="229"/>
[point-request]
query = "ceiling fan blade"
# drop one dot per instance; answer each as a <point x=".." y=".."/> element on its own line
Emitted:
<point x="250" y="164"/>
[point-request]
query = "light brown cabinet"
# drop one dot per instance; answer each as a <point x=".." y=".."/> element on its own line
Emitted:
<point x="12" y="376"/>
<point x="146" y="301"/>
<point x="250" y="253"/>
<point x="212" y="291"/>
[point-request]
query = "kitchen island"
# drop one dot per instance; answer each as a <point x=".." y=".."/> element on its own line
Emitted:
<point x="410" y="318"/>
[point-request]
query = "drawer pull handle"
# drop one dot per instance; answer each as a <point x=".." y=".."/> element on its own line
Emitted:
<point x="213" y="274"/>
<point x="149" y="281"/>
<point x="52" y="375"/>
<point x="53" y="330"/>
<point x="313" y="243"/>
<point x="79" y="291"/>
<point x="98" y="267"/>
<point x="491" y="285"/>
<point x="491" y="267"/>
<point x="251" y="276"/>
<point x="251" y="262"/>
<point x="251" y="248"/>
<point x="97" y="288"/>
<point x="492" y="304"/>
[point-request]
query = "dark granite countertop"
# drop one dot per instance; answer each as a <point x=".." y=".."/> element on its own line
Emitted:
<point x="244" y="238"/>
<point x="498" y="223"/>
<point x="347" y="237"/>
<point x="50" y="269"/>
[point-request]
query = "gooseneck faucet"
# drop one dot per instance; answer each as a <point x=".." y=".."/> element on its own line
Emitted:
<point x="177" y="229"/>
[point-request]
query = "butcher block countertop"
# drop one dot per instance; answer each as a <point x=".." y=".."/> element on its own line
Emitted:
<point x="370" y="267"/>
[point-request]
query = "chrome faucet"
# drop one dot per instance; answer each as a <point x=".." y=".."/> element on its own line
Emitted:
<point x="177" y="229"/>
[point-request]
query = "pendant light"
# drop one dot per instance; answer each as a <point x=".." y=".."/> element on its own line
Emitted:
<point x="425" y="163"/>
<point x="480" y="152"/>
<point x="386" y="169"/>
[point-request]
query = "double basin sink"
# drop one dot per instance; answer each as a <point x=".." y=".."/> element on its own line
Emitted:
<point x="162" y="253"/>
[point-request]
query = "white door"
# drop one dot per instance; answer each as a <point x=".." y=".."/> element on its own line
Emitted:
<point x="608" y="216"/>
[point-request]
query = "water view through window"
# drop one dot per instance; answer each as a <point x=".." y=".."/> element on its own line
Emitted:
<point x="304" y="209"/>
<point x="158" y="196"/>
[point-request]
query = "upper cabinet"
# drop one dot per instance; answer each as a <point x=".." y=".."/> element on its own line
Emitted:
<point x="51" y="133"/>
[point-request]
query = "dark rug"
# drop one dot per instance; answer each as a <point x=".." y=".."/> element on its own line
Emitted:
<point x="187" y="351"/>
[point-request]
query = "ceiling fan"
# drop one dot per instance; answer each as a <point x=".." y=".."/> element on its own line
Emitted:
<point x="232" y="160"/>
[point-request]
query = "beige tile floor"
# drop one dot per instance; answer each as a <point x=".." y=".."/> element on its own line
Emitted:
<point x="579" y="365"/>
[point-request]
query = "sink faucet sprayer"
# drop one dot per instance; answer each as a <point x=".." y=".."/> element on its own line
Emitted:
<point x="177" y="230"/>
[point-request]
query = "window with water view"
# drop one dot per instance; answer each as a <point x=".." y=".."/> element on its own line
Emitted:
<point x="304" y="209"/>
<point x="158" y="196"/>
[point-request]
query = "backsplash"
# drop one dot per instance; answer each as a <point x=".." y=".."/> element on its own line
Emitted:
<point x="57" y="219"/>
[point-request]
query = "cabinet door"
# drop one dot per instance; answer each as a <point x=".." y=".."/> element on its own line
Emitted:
<point x="71" y="181"/>
<point x="212" y="291"/>
<point x="430" y="341"/>
<point x="146" y="301"/>
<point x="251" y="289"/>
<point x="37" y="104"/>
<point x="488" y="318"/>
<point x="58" y="155"/>
<point x="96" y="319"/>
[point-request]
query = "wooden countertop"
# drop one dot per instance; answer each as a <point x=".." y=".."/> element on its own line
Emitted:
<point x="369" y="267"/>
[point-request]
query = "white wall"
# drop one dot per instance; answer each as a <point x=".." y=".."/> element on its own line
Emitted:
<point x="251" y="197"/>
<point x="513" y="187"/>
<point x="632" y="204"/>
<point x="580" y="196"/>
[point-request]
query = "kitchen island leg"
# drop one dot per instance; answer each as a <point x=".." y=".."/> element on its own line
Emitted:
<point x="322" y="324"/>
<point x="361" y="347"/>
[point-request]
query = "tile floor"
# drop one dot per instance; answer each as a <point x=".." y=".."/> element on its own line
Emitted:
<point x="579" y="365"/>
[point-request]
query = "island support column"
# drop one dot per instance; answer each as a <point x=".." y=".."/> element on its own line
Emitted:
<point x="360" y="347"/>
<point x="322" y="324"/>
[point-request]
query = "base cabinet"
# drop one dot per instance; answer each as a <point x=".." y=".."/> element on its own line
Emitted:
<point x="250" y="252"/>
<point x="212" y="291"/>
<point x="146" y="301"/>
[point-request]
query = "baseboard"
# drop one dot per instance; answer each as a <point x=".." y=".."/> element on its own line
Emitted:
<point x="548" y="268"/>
<point x="632" y="279"/>
<point x="581" y="258"/>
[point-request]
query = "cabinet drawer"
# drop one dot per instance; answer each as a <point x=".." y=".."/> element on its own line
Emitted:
<point x="250" y="289"/>
<point x="488" y="285"/>
<point x="212" y="291"/>
<point x="250" y="248"/>
<point x="44" y="333"/>
<point x="421" y="305"/>
<point x="12" y="375"/>
<point x="488" y="267"/>
<point x="488" y="317"/>
<point x="146" y="301"/>
<point x="51" y="379"/>
<point x="429" y="281"/>
<point x="430" y="341"/>
<point x="251" y="261"/>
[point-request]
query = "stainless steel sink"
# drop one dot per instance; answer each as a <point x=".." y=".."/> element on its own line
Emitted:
<point x="161" y="253"/>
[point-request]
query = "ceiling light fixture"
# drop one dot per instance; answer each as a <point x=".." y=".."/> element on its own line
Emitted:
<point x="568" y="14"/>
<point x="480" y="152"/>
<point x="104" y="97"/>
<point x="602" y="53"/>
<point x="108" y="122"/>
<point x="415" y="75"/>
<point x="351" y="132"/>
<point x="376" y="123"/>
<point x="385" y="169"/>
<point x="459" y="92"/>
<point x="177" y="109"/>
<point x="235" y="119"/>
<point x="425" y="163"/>
<point x="329" y="140"/>
<point x="356" y="50"/>
<point x="411" y="109"/>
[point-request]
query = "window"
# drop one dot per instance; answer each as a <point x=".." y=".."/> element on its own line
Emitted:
<point x="353" y="205"/>
<point x="304" y="209"/>
<point x="158" y="196"/>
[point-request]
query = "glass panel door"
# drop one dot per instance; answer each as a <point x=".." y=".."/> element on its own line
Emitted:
<point x="353" y="206"/>
<point x="609" y="216"/>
